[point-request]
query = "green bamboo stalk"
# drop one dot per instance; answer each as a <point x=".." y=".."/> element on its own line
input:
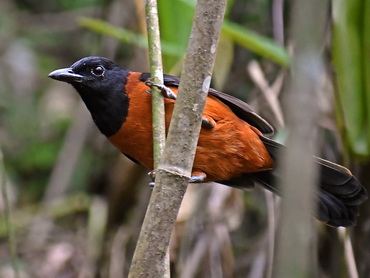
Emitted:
<point x="296" y="240"/>
<point x="156" y="72"/>
<point x="175" y="167"/>
<point x="158" y="112"/>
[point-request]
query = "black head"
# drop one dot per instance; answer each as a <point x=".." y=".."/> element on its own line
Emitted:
<point x="101" y="85"/>
<point x="90" y="73"/>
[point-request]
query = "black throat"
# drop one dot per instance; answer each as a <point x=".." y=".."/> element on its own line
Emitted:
<point x="108" y="103"/>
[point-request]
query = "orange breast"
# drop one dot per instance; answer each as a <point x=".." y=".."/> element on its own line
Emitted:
<point x="230" y="149"/>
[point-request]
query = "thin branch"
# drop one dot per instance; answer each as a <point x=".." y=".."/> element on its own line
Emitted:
<point x="271" y="231"/>
<point x="270" y="93"/>
<point x="156" y="72"/>
<point x="158" y="112"/>
<point x="348" y="252"/>
<point x="176" y="163"/>
<point x="278" y="20"/>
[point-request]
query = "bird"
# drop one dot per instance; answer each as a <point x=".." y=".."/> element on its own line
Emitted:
<point x="234" y="146"/>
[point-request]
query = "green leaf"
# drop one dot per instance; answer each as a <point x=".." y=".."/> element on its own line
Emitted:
<point x="251" y="40"/>
<point x="348" y="61"/>
<point x="175" y="20"/>
<point x="224" y="59"/>
<point x="260" y="45"/>
<point x="126" y="36"/>
<point x="366" y="61"/>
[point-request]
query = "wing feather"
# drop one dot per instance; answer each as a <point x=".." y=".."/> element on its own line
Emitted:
<point x="240" y="108"/>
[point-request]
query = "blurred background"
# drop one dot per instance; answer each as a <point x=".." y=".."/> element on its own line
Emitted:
<point x="72" y="205"/>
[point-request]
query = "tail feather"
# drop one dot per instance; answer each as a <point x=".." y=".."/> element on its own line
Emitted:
<point x="339" y="194"/>
<point x="339" y="181"/>
<point x="334" y="212"/>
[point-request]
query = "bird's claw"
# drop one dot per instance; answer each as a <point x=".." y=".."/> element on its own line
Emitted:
<point x="168" y="93"/>
<point x="151" y="185"/>
<point x="151" y="175"/>
<point x="197" y="178"/>
<point x="165" y="91"/>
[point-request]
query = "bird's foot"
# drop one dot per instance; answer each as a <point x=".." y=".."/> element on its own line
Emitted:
<point x="165" y="91"/>
<point x="197" y="177"/>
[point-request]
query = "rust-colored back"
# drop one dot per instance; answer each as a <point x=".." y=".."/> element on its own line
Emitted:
<point x="230" y="149"/>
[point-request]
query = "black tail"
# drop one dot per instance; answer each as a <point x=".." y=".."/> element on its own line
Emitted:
<point x="339" y="194"/>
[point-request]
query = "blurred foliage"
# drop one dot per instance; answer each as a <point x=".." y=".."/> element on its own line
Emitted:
<point x="350" y="49"/>
<point x="263" y="46"/>
<point x="38" y="114"/>
<point x="175" y="22"/>
<point x="175" y="18"/>
<point x="127" y="36"/>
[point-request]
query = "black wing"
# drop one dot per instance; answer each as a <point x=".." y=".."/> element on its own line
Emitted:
<point x="240" y="108"/>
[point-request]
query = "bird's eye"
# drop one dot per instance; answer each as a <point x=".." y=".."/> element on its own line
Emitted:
<point x="98" y="71"/>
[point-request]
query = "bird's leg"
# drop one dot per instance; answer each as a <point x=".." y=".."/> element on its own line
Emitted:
<point x="166" y="92"/>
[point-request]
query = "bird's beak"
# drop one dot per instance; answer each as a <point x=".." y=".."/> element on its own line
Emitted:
<point x="66" y="75"/>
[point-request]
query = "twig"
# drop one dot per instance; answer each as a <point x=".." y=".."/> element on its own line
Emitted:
<point x="175" y="167"/>
<point x="348" y="252"/>
<point x="278" y="20"/>
<point x="270" y="93"/>
<point x="206" y="233"/>
<point x="271" y="231"/>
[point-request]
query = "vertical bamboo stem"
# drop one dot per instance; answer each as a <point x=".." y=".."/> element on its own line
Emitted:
<point x="175" y="167"/>
<point x="297" y="235"/>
